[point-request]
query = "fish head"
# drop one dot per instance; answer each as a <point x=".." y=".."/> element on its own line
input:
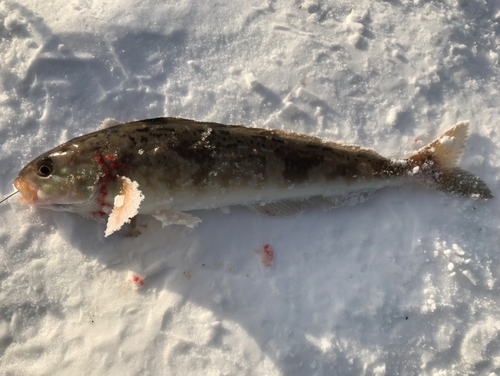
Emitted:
<point x="60" y="179"/>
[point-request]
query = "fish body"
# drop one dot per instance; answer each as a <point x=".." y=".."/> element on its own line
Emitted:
<point x="167" y="166"/>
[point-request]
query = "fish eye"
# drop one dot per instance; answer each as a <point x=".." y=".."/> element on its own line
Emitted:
<point x="44" y="167"/>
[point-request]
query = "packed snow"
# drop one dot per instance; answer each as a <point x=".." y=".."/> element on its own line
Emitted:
<point x="406" y="283"/>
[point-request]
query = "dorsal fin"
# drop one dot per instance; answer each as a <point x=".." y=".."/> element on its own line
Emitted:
<point x="109" y="122"/>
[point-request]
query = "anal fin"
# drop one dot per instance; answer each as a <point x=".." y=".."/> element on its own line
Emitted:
<point x="287" y="207"/>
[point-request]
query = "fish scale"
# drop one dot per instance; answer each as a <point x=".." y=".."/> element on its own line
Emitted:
<point x="167" y="166"/>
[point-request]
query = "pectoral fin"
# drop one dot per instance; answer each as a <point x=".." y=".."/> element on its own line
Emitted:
<point x="171" y="217"/>
<point x="126" y="205"/>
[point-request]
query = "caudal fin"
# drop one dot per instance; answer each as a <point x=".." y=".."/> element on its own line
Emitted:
<point x="437" y="163"/>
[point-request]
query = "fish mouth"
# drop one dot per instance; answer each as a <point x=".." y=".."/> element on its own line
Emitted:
<point x="28" y="190"/>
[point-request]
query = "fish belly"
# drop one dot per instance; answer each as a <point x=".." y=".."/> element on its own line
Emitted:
<point x="215" y="198"/>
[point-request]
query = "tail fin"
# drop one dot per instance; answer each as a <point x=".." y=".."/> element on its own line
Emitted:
<point x="437" y="163"/>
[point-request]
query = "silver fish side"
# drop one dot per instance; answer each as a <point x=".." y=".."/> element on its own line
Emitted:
<point x="181" y="165"/>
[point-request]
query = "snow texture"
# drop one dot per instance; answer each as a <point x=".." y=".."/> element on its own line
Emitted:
<point x="406" y="283"/>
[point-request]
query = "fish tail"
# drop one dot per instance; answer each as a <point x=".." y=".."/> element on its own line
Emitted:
<point x="437" y="163"/>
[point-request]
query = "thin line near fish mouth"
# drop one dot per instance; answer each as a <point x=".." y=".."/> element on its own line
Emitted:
<point x="28" y="190"/>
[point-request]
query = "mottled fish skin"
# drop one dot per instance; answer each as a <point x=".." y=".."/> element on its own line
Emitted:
<point x="187" y="165"/>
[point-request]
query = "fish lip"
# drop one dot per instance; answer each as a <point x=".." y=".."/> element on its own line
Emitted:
<point x="28" y="190"/>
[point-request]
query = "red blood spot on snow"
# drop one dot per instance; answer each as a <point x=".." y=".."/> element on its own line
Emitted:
<point x="136" y="280"/>
<point x="267" y="255"/>
<point x="416" y="140"/>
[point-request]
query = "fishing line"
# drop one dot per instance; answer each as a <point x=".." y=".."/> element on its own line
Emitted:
<point x="9" y="196"/>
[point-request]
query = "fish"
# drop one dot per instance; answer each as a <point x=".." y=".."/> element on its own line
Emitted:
<point x="167" y="167"/>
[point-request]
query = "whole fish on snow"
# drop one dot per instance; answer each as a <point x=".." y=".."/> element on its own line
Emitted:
<point x="169" y="166"/>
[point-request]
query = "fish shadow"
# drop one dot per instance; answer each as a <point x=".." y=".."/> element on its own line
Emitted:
<point x="219" y="266"/>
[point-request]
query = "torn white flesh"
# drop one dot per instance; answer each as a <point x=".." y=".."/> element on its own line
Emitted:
<point x="126" y="205"/>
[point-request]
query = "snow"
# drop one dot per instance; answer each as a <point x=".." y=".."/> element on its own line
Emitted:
<point x="361" y="290"/>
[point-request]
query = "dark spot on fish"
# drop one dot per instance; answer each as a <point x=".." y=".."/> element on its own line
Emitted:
<point x="203" y="157"/>
<point x="297" y="165"/>
<point x="131" y="138"/>
<point x="385" y="168"/>
<point x="347" y="170"/>
<point x="143" y="130"/>
<point x="224" y="132"/>
<point x="278" y="150"/>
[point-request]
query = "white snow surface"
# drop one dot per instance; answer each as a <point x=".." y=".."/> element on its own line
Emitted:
<point x="406" y="283"/>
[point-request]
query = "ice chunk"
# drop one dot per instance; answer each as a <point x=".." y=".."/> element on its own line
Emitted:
<point x="471" y="277"/>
